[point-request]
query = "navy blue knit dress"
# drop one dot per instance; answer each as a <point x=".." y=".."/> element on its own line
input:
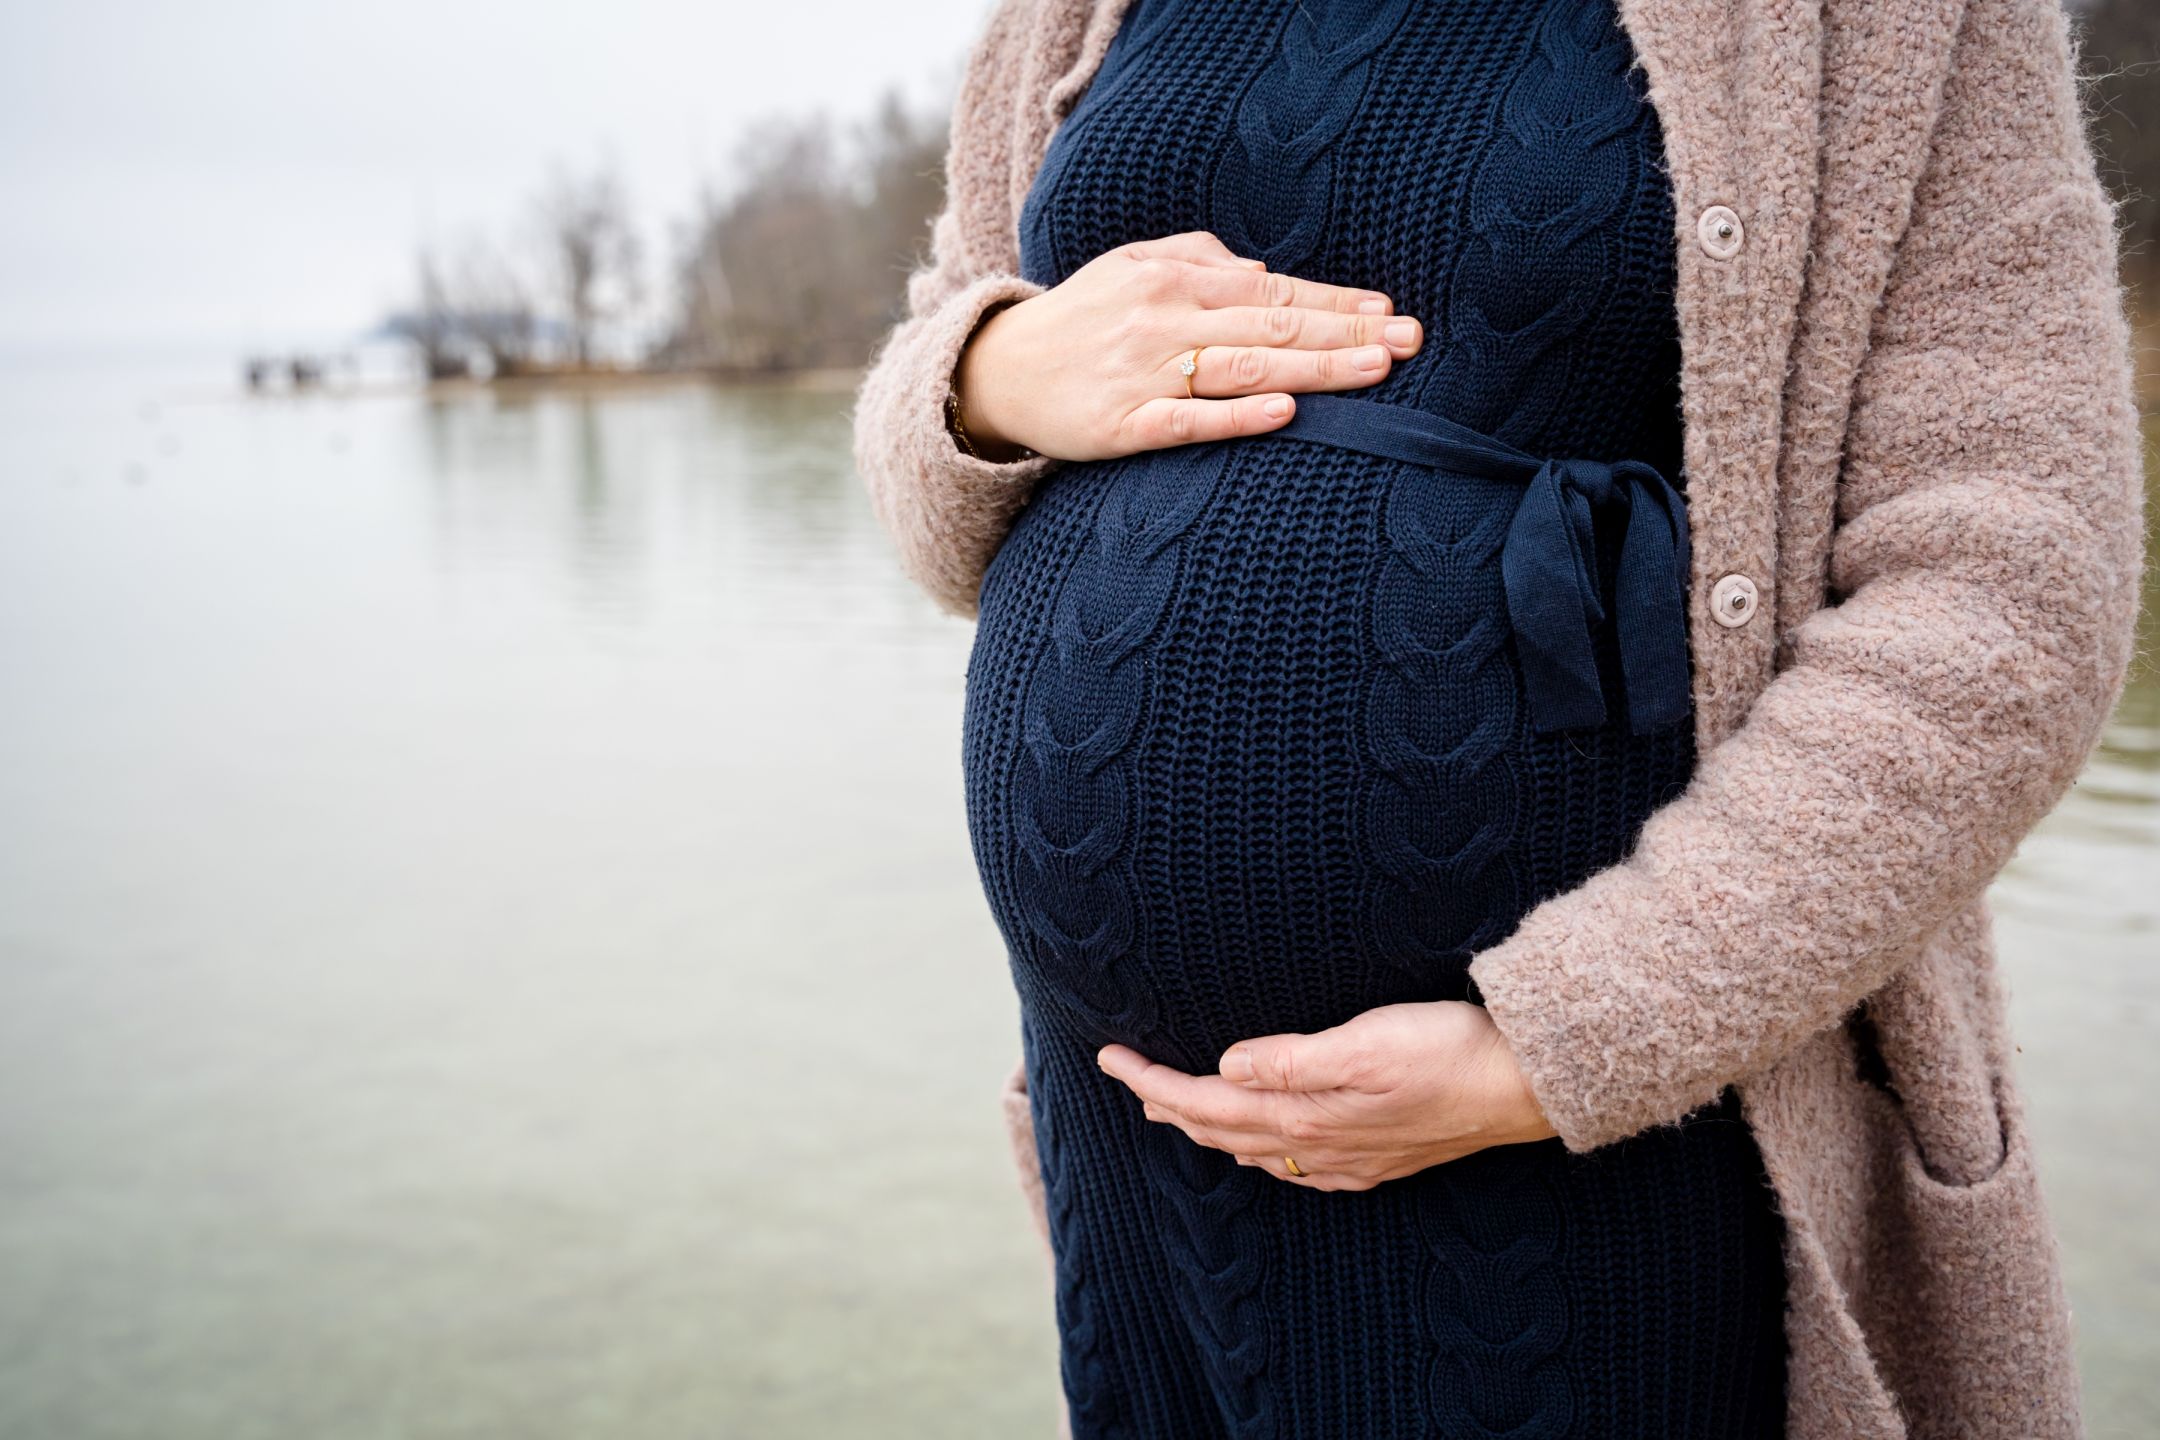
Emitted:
<point x="1263" y="733"/>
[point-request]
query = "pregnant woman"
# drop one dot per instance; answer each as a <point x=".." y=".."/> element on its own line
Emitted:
<point x="1474" y="981"/>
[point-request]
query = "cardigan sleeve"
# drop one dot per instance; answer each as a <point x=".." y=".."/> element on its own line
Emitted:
<point x="1984" y="583"/>
<point x="947" y="510"/>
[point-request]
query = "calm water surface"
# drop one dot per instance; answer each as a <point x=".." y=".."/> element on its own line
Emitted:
<point x="488" y="944"/>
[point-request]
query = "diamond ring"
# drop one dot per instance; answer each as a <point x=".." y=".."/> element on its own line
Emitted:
<point x="1187" y="366"/>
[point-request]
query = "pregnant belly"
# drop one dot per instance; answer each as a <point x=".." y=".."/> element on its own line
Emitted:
<point x="1247" y="751"/>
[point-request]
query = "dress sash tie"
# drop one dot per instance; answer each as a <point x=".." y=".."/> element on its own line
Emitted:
<point x="1548" y="563"/>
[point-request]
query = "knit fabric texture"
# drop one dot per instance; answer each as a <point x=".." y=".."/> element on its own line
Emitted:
<point x="1250" y="747"/>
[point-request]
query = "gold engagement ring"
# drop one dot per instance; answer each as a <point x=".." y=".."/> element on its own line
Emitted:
<point x="1187" y="366"/>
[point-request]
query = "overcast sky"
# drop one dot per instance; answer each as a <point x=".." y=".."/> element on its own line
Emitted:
<point x="261" y="171"/>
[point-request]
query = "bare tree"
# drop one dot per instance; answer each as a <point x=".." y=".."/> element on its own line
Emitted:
<point x="595" y="252"/>
<point x="803" y="262"/>
<point x="902" y="167"/>
<point x="492" y="305"/>
<point x="478" y="308"/>
<point x="432" y="326"/>
<point x="704" y="298"/>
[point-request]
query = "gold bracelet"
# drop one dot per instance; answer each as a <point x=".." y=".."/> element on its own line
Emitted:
<point x="952" y="421"/>
<point x="967" y="442"/>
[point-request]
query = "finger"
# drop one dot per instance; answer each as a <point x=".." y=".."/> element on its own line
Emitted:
<point x="1273" y="290"/>
<point x="1312" y="1179"/>
<point x="1232" y="370"/>
<point x="1166" y="421"/>
<point x="1237" y="1140"/>
<point x="1324" y="1060"/>
<point x="1295" y="328"/>
<point x="1201" y="247"/>
<point x="1204" y="1099"/>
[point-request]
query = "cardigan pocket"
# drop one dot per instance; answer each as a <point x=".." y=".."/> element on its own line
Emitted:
<point x="1922" y="1044"/>
<point x="1954" y="1137"/>
<point x="1926" y="1183"/>
<point x="1977" y="1261"/>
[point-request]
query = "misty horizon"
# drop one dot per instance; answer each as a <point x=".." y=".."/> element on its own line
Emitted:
<point x="245" y="176"/>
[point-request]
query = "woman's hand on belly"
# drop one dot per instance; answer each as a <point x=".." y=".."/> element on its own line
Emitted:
<point x="1090" y="369"/>
<point x="1387" y="1094"/>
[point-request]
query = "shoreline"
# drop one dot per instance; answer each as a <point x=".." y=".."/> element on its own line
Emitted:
<point x="819" y="379"/>
<point x="822" y="380"/>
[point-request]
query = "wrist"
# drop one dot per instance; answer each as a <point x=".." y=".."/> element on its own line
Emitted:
<point x="973" y="421"/>
<point x="1518" y="1101"/>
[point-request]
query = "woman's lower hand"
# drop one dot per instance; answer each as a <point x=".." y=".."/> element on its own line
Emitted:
<point x="1386" y="1094"/>
<point x="1090" y="368"/>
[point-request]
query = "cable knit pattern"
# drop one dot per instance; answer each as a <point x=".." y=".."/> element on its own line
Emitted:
<point x="1072" y="796"/>
<point x="1093" y="1397"/>
<point x="1567" y="155"/>
<point x="1909" y="420"/>
<point x="1274" y="180"/>
<point x="1497" y="1305"/>
<point x="1444" y="882"/>
<point x="1214" y="1225"/>
<point x="1247" y="747"/>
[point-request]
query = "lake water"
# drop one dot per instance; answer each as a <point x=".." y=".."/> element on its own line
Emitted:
<point x="489" y="946"/>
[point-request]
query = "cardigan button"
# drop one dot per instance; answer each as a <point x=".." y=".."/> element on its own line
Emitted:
<point x="1718" y="228"/>
<point x="1732" y="600"/>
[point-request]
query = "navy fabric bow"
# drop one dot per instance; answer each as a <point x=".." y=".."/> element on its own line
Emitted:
<point x="1548" y="563"/>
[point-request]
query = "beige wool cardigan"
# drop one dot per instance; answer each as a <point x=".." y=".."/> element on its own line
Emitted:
<point x="1912" y="466"/>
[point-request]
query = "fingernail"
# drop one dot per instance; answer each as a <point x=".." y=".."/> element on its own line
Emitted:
<point x="1401" y="332"/>
<point x="1237" y="1064"/>
<point x="1374" y="306"/>
<point x="1369" y="357"/>
<point x="1099" y="1063"/>
<point x="1277" y="408"/>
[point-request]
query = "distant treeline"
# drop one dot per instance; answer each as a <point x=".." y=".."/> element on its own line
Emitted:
<point x="805" y="261"/>
<point x="801" y="261"/>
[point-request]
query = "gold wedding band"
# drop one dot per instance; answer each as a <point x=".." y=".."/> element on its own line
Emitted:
<point x="1187" y="366"/>
<point x="1292" y="1164"/>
